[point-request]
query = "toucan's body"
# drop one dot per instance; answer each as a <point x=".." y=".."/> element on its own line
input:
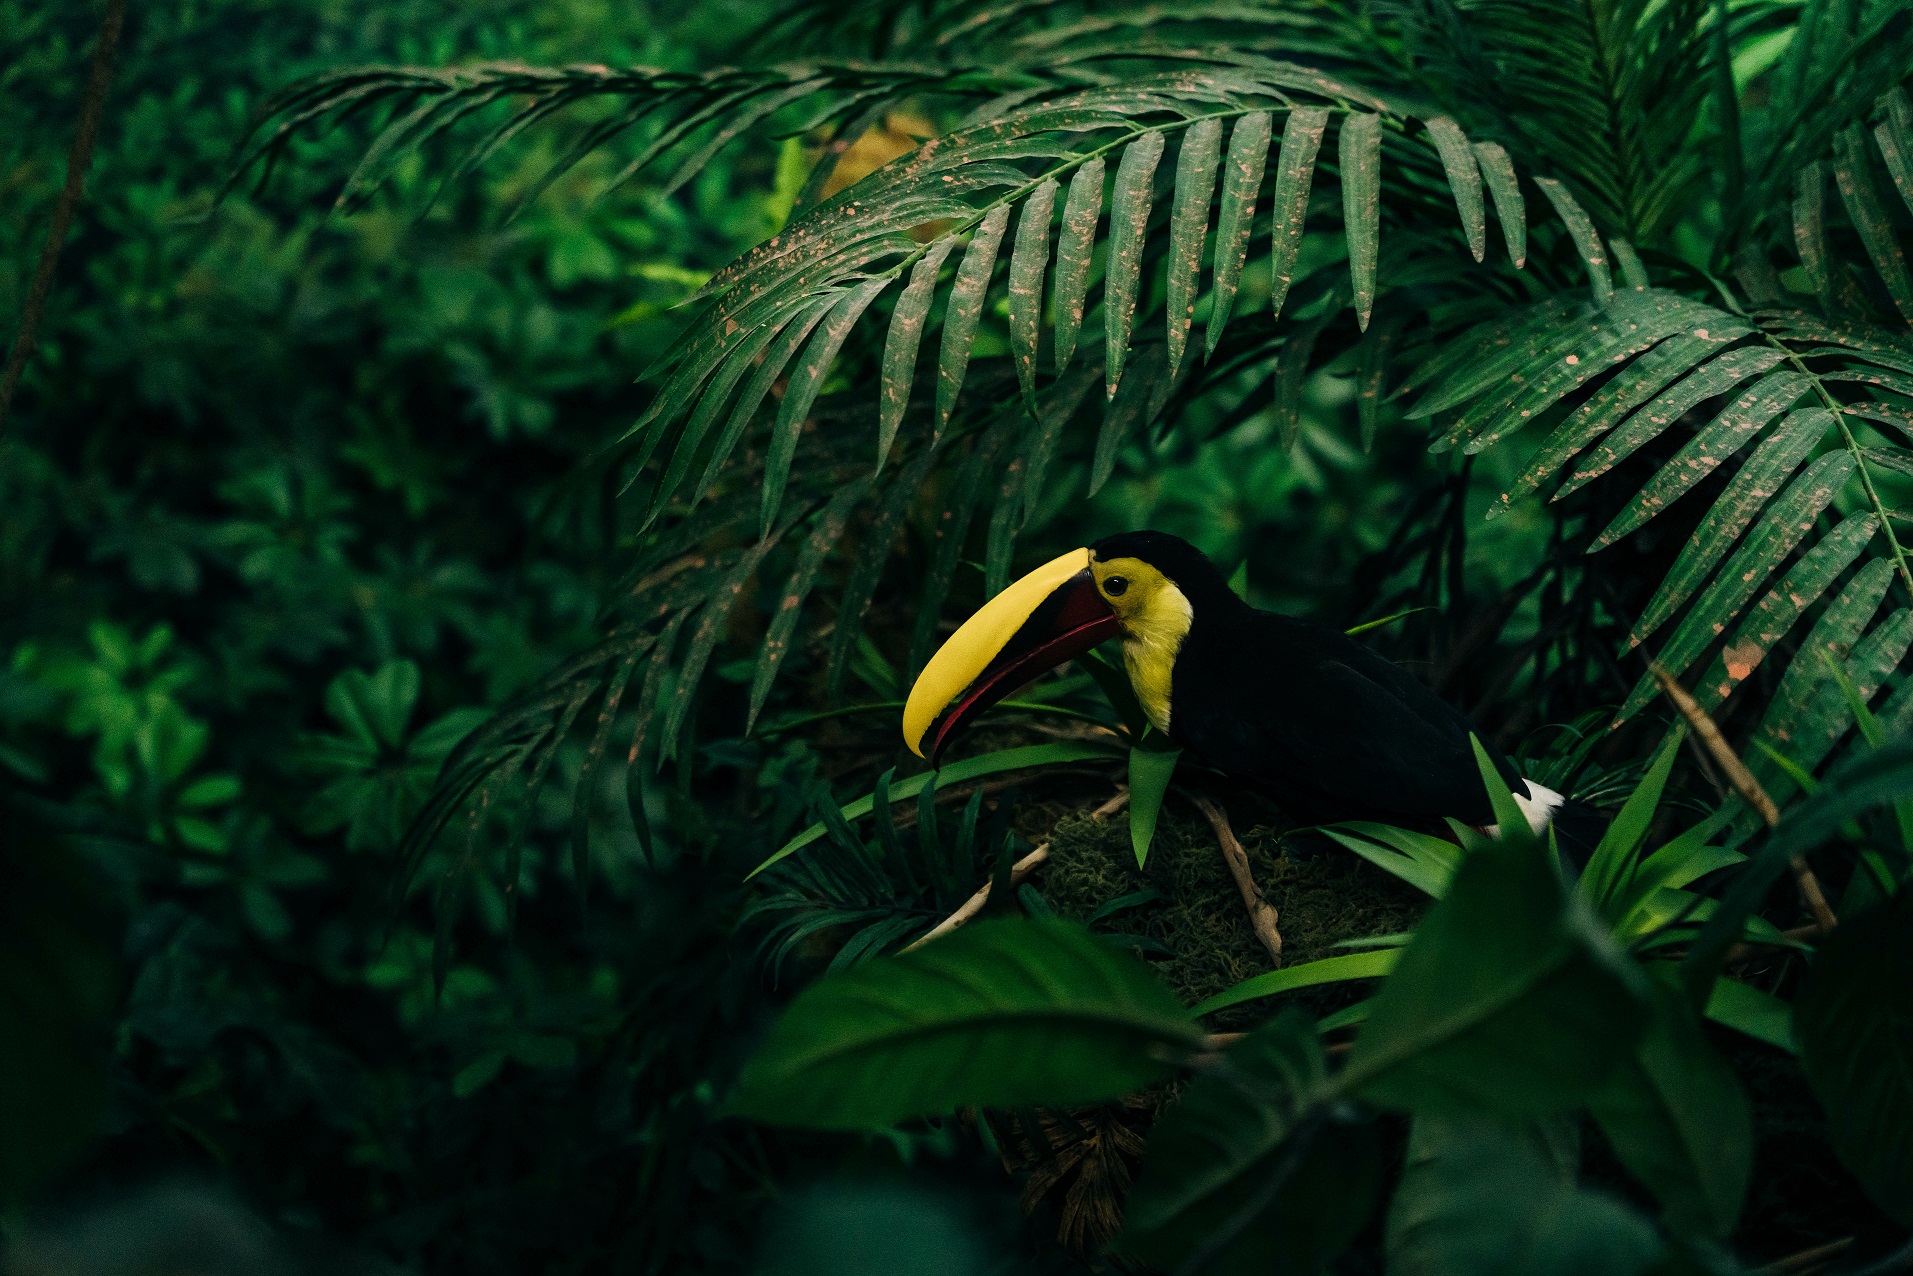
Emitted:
<point x="1325" y="726"/>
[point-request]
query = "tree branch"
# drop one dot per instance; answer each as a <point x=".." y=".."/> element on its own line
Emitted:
<point x="77" y="161"/>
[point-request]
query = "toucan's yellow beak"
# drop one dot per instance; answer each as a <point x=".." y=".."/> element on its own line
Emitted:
<point x="1051" y="615"/>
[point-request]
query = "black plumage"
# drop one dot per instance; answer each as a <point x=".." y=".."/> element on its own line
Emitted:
<point x="1330" y="730"/>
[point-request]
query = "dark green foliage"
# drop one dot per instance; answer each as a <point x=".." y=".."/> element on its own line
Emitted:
<point x="422" y="692"/>
<point x="1855" y="1022"/>
<point x="1003" y="1014"/>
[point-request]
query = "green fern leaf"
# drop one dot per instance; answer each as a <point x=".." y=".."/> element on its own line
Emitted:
<point x="1625" y="391"/>
<point x="711" y="628"/>
<point x="1294" y="173"/>
<point x="1073" y="250"/>
<point x="1785" y="524"/>
<point x="1894" y="135"/>
<point x="1763" y="474"/>
<point x="966" y="308"/>
<point x="1129" y="204"/>
<point x="1372" y="372"/>
<point x="800" y="393"/>
<point x="1359" y="153"/>
<point x="873" y="551"/>
<point x="952" y="528"/>
<point x="1490" y="353"/>
<point x="1703" y="453"/>
<point x="1777" y="613"/>
<point x="1635" y="322"/>
<point x="1510" y="208"/>
<point x="710" y="405"/>
<point x="1136" y="402"/>
<point x="1464" y="179"/>
<point x="1188" y="228"/>
<point x="900" y="347"/>
<point x="1740" y="421"/>
<point x="1241" y="181"/>
<point x="1862" y="198"/>
<point x="1825" y="715"/>
<point x="1292" y="375"/>
<point x="1028" y="261"/>
<point x="831" y="522"/>
<point x="1064" y="399"/>
<point x="776" y="358"/>
<point x="1810" y="226"/>
<point x="1633" y="273"/>
<point x="1586" y="240"/>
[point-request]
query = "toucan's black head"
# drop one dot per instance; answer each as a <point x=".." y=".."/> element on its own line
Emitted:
<point x="1174" y="557"/>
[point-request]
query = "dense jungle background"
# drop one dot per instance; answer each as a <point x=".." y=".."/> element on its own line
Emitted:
<point x="391" y="718"/>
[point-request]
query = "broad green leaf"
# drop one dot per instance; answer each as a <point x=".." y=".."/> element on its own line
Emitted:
<point x="1677" y="1118"/>
<point x="1002" y="1014"/>
<point x="1586" y="240"/>
<point x="1028" y="260"/>
<point x="800" y="393"/>
<point x="1129" y="203"/>
<point x="900" y="347"/>
<point x="1777" y="613"/>
<point x="1241" y="181"/>
<point x="1311" y="974"/>
<point x="1507" y="999"/>
<point x="810" y="560"/>
<point x="1510" y="208"/>
<point x="1151" y="765"/>
<point x="1854" y="177"/>
<point x="1036" y="755"/>
<point x="1464" y="179"/>
<point x="1074" y="247"/>
<point x="1634" y="385"/>
<point x="1752" y="1012"/>
<point x="1294" y="174"/>
<point x="1854" y="1018"/>
<point x="1738" y="422"/>
<point x="966" y="308"/>
<point x="1810" y="226"/>
<point x="1772" y="463"/>
<point x="1257" y="1167"/>
<point x="1479" y="1197"/>
<point x="1785" y="525"/>
<point x="1188" y="228"/>
<point x="1359" y="152"/>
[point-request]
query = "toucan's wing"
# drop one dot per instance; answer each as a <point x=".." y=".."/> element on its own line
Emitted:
<point x="1337" y="740"/>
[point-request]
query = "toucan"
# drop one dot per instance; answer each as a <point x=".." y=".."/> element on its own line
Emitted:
<point x="1327" y="728"/>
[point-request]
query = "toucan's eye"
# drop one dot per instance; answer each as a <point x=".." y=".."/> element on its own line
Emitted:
<point x="1116" y="586"/>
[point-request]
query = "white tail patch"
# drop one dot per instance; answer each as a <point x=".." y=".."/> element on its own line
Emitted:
<point x="1539" y="806"/>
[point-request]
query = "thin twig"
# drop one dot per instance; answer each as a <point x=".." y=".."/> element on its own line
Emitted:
<point x="1018" y="871"/>
<point x="1807" y="1258"/>
<point x="1747" y="786"/>
<point x="1262" y="914"/>
<point x="77" y="160"/>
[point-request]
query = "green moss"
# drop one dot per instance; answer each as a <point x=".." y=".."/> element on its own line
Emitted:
<point x="1322" y="895"/>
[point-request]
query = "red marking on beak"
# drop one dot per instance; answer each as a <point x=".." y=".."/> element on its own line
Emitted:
<point x="1073" y="619"/>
